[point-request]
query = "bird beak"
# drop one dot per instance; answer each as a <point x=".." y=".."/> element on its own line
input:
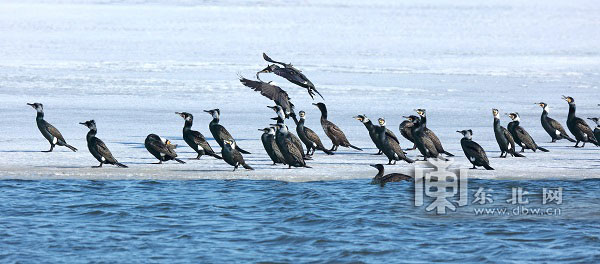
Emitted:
<point x="373" y="165"/>
<point x="83" y="124"/>
<point x="564" y="97"/>
<point x="261" y="130"/>
<point x="356" y="117"/>
<point x="458" y="131"/>
<point x="208" y="111"/>
<point x="265" y="70"/>
<point x="272" y="107"/>
<point x="314" y="104"/>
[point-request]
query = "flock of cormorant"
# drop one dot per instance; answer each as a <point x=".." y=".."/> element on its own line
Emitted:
<point x="284" y="147"/>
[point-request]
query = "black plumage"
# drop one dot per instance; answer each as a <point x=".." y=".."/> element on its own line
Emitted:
<point x="390" y="146"/>
<point x="268" y="141"/>
<point x="474" y="152"/>
<point x="161" y="148"/>
<point x="578" y="127"/>
<point x="504" y="138"/>
<point x="294" y="156"/>
<point x="429" y="133"/>
<point x="521" y="136"/>
<point x="405" y="128"/>
<point x="49" y="132"/>
<point x="291" y="74"/>
<point x="275" y="93"/>
<point x="373" y="134"/>
<point x="280" y="120"/>
<point x="97" y="147"/>
<point x="337" y="136"/>
<point x="423" y="142"/>
<point x="219" y="132"/>
<point x="310" y="139"/>
<point x="554" y="129"/>
<point x="195" y="139"/>
<point x="597" y="129"/>
<point x="392" y="177"/>
<point x="232" y="156"/>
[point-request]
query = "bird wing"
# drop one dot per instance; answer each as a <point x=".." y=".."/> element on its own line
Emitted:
<point x="391" y="135"/>
<point x="524" y="137"/>
<point x="336" y="132"/>
<point x="312" y="136"/>
<point x="430" y="146"/>
<point x="434" y="139"/>
<point x="556" y="125"/>
<point x="294" y="76"/>
<point x="54" y="132"/>
<point x="405" y="130"/>
<point x="223" y="133"/>
<point x="584" y="128"/>
<point x="293" y="149"/>
<point x="395" y="177"/>
<point x="509" y="137"/>
<point x="104" y="151"/>
<point x="472" y="149"/>
<point x="267" y="58"/>
<point x="161" y="147"/>
<point x="201" y="140"/>
<point x="270" y="91"/>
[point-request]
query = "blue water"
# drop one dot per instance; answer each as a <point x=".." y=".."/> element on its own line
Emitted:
<point x="72" y="221"/>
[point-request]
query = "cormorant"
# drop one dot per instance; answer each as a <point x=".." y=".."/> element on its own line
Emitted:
<point x="275" y="93"/>
<point x="294" y="138"/>
<point x="520" y="135"/>
<point x="390" y="146"/>
<point x="392" y="177"/>
<point x="474" y="151"/>
<point x="309" y="137"/>
<point x="195" y="139"/>
<point x="504" y="138"/>
<point x="232" y="156"/>
<point x="597" y="129"/>
<point x="578" y="127"/>
<point x="332" y="131"/>
<point x="49" y="131"/>
<point x="374" y="136"/>
<point x="219" y="132"/>
<point x="405" y="130"/>
<point x="292" y="154"/>
<point x="268" y="141"/>
<point x="552" y="127"/>
<point x="161" y="148"/>
<point x="423" y="142"/>
<point x="436" y="141"/>
<point x="290" y="73"/>
<point x="98" y="148"/>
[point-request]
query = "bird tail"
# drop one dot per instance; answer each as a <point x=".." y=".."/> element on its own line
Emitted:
<point x="569" y="138"/>
<point x="448" y="154"/>
<point x="543" y="149"/>
<point x="306" y="166"/>
<point x="71" y="147"/>
<point x="178" y="160"/>
<point x="212" y="154"/>
<point x="517" y="154"/>
<point x="488" y="167"/>
<point x="354" y="147"/>
<point x="325" y="150"/>
<point x="121" y="165"/>
<point x="241" y="150"/>
<point x="246" y="166"/>
<point x="409" y="160"/>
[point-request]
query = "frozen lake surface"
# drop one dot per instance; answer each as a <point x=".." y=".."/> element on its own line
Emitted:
<point x="130" y="66"/>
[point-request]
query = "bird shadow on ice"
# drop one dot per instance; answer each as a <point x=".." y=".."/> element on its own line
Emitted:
<point x="203" y="170"/>
<point x="63" y="167"/>
<point x="133" y="144"/>
<point x="21" y="151"/>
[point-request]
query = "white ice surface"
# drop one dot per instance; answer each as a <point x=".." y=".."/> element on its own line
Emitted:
<point x="130" y="66"/>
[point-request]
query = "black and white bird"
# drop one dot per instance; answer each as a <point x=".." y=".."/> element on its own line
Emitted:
<point x="293" y="155"/>
<point x="373" y="134"/>
<point x="405" y="128"/>
<point x="161" y="148"/>
<point x="275" y="93"/>
<point x="429" y="133"/>
<point x="220" y="134"/>
<point x="520" y="135"/>
<point x="268" y="141"/>
<point x="422" y="141"/>
<point x="232" y="156"/>
<point x="310" y="139"/>
<point x="381" y="179"/>
<point x="97" y="147"/>
<point x="49" y="131"/>
<point x="389" y="145"/>
<point x="291" y="74"/>
<point x="474" y="152"/>
<point x="504" y="138"/>
<point x="195" y="139"/>
<point x="554" y="129"/>
<point x="578" y="127"/>
<point x="337" y="136"/>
